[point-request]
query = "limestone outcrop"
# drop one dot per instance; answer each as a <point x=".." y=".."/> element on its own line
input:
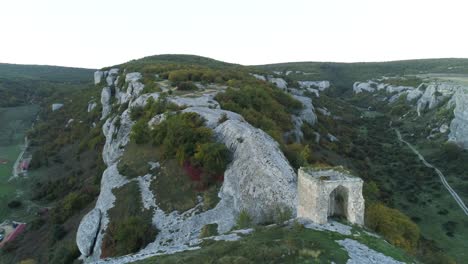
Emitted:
<point x="459" y="124"/>
<point x="259" y="179"/>
<point x="87" y="231"/>
<point x="106" y="95"/>
<point x="320" y="85"/>
<point x="56" y="106"/>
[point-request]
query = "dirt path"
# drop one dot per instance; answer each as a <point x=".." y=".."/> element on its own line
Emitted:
<point x="18" y="160"/>
<point x="441" y="175"/>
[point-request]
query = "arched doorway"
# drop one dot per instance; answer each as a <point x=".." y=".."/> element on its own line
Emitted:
<point x="338" y="203"/>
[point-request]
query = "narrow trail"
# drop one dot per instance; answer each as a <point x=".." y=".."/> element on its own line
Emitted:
<point x="441" y="175"/>
<point x="18" y="160"/>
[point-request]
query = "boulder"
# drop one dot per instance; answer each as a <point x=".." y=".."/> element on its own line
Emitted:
<point x="56" y="106"/>
<point x="308" y="112"/>
<point x="91" y="106"/>
<point x="459" y="125"/>
<point x="279" y="82"/>
<point x="359" y="87"/>
<point x="87" y="231"/>
<point x="133" y="77"/>
<point x="259" y="77"/>
<point x="320" y="85"/>
<point x="98" y="76"/>
<point x="105" y="101"/>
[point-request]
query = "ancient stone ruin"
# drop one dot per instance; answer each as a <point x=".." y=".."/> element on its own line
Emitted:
<point x="329" y="192"/>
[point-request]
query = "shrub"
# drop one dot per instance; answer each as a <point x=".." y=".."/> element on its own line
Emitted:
<point x="212" y="157"/>
<point x="186" y="86"/>
<point x="127" y="235"/>
<point x="243" y="220"/>
<point x="14" y="204"/>
<point x="396" y="227"/>
<point x="209" y="230"/>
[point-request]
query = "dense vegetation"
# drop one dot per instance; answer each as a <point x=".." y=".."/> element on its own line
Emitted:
<point x="64" y="178"/>
<point x="130" y="228"/>
<point x="28" y="84"/>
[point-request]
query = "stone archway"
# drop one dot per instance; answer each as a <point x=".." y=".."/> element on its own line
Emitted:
<point x="338" y="203"/>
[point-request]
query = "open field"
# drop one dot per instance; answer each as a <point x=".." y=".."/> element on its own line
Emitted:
<point x="15" y="121"/>
<point x="458" y="78"/>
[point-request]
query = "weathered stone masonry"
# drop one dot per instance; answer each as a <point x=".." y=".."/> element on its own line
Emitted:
<point x="327" y="192"/>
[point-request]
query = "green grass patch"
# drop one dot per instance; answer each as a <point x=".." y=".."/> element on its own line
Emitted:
<point x="134" y="161"/>
<point x="130" y="228"/>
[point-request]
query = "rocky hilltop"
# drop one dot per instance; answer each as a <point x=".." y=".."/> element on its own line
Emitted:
<point x="258" y="184"/>
<point x="258" y="178"/>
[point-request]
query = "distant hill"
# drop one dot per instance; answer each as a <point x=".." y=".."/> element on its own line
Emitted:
<point x="45" y="73"/>
<point x="24" y="84"/>
<point x="344" y="74"/>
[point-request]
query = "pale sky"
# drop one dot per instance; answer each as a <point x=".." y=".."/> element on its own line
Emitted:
<point x="99" y="33"/>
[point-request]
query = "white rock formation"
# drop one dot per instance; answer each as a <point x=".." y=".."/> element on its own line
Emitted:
<point x="206" y="100"/>
<point x="321" y="85"/>
<point x="435" y="93"/>
<point x="414" y="94"/>
<point x="259" y="178"/>
<point x="111" y="76"/>
<point x="106" y="95"/>
<point x="56" y="106"/>
<point x="98" y="76"/>
<point x="359" y="87"/>
<point x="459" y="125"/>
<point x="91" y="106"/>
<point x="308" y="112"/>
<point x="116" y="137"/>
<point x="87" y="231"/>
<point x="279" y="82"/>
<point x="213" y="117"/>
<point x="259" y="77"/>
<point x="361" y="254"/>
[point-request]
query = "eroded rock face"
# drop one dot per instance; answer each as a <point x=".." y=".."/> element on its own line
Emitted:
<point x="359" y="87"/>
<point x="111" y="76"/>
<point x="105" y="101"/>
<point x="279" y="82"/>
<point x="434" y="94"/>
<point x="259" y="178"/>
<point x="214" y="117"/>
<point x="91" y="106"/>
<point x="87" y="231"/>
<point x="116" y="137"/>
<point x="98" y="76"/>
<point x="308" y="112"/>
<point x="56" y="106"/>
<point x="459" y="125"/>
<point x="321" y="85"/>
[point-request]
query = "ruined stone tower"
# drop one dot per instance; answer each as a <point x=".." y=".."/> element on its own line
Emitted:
<point x="326" y="192"/>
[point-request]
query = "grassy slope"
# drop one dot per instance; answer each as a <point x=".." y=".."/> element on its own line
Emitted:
<point x="280" y="245"/>
<point x="15" y="121"/>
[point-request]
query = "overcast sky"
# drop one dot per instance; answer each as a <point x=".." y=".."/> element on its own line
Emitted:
<point x="99" y="33"/>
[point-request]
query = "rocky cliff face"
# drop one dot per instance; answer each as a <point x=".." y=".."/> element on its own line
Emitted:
<point x="427" y="96"/>
<point x="459" y="125"/>
<point x="259" y="179"/>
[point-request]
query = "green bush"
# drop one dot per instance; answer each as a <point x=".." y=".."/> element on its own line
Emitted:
<point x="243" y="220"/>
<point x="396" y="227"/>
<point x="128" y="235"/>
<point x="186" y="86"/>
<point x="209" y="230"/>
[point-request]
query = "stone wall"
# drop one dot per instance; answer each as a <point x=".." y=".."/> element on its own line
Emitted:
<point x="318" y="191"/>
